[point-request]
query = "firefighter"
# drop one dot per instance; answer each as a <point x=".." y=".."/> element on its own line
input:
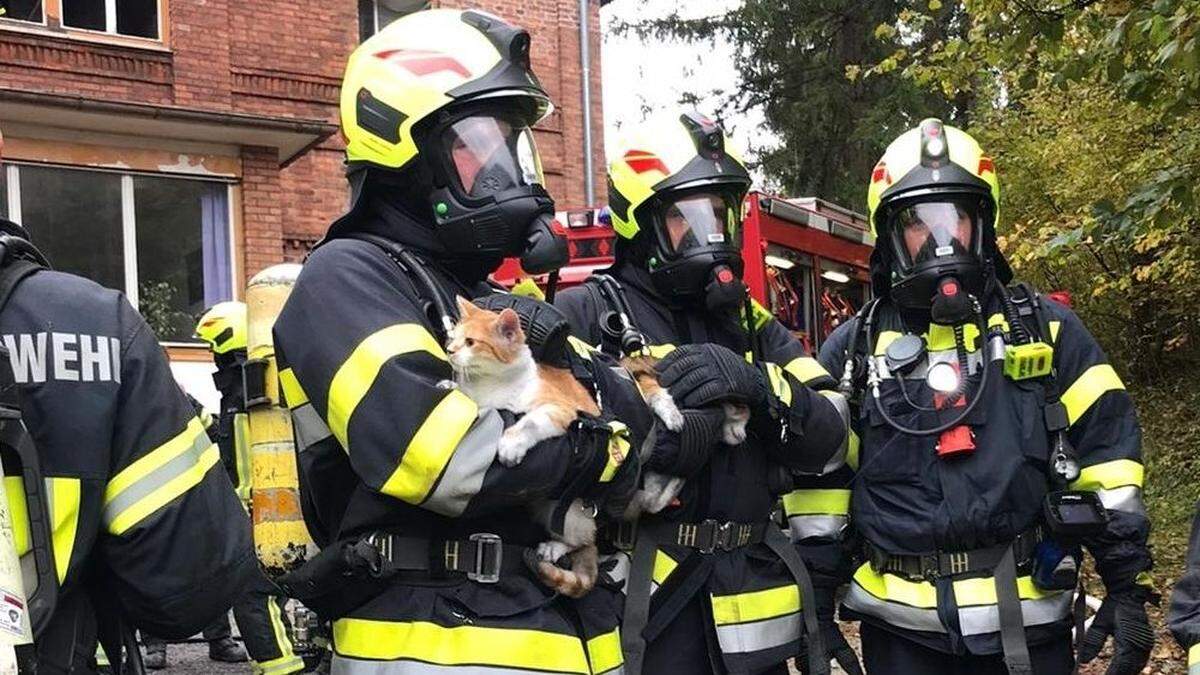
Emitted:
<point x="426" y="539"/>
<point x="1183" y="616"/>
<point x="146" y="530"/>
<point x="726" y="583"/>
<point x="996" y="442"/>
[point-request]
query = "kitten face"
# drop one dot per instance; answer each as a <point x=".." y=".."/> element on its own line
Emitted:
<point x="484" y="341"/>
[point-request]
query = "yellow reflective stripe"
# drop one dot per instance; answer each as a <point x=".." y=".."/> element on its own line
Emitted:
<point x="756" y="605"/>
<point x="896" y="589"/>
<point x="885" y="338"/>
<point x="779" y="385"/>
<point x="941" y="337"/>
<point x="618" y="450"/>
<point x="154" y="459"/>
<point x="982" y="591"/>
<point x="1109" y="475"/>
<point x="998" y="320"/>
<point x="1055" y="326"/>
<point x="806" y="369"/>
<point x="605" y="651"/>
<point x="852" y="450"/>
<point x="284" y="665"/>
<point x="817" y="502"/>
<point x="460" y="645"/>
<point x="14" y="489"/>
<point x="581" y="348"/>
<point x="762" y="315"/>
<point x="663" y="566"/>
<point x="293" y="393"/>
<point x="241" y="454"/>
<point x="1194" y="655"/>
<point x="1090" y="386"/>
<point x="166" y="493"/>
<point x="431" y="448"/>
<point x="282" y="643"/>
<point x="355" y="377"/>
<point x="64" y="520"/>
<point x="659" y="351"/>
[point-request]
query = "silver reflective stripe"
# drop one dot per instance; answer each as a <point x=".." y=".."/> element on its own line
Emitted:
<point x="343" y="665"/>
<point x="309" y="427"/>
<point x="463" y="476"/>
<point x="838" y="460"/>
<point x="740" y="638"/>
<point x="1127" y="499"/>
<point x="920" y="370"/>
<point x="894" y="613"/>
<point x="619" y="670"/>
<point x="986" y="618"/>
<point x="816" y="526"/>
<point x="156" y="478"/>
<point x="294" y="664"/>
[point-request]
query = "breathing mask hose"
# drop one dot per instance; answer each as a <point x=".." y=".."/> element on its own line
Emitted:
<point x="446" y="316"/>
<point x="1020" y="335"/>
<point x="631" y="340"/>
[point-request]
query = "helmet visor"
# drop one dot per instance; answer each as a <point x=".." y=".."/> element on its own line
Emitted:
<point x="488" y="155"/>
<point x="933" y="230"/>
<point x="697" y="220"/>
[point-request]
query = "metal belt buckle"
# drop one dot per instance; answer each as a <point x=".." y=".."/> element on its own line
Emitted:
<point x="625" y="535"/>
<point x="489" y="554"/>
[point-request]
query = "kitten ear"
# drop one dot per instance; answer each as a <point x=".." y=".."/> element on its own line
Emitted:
<point x="465" y="307"/>
<point x="508" y="326"/>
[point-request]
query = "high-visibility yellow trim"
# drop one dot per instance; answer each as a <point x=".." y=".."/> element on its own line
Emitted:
<point x="166" y="493"/>
<point x="618" y="450"/>
<point x="885" y="338"/>
<point x="852" y="450"/>
<point x="663" y="566"/>
<point x="284" y="665"/>
<point x="1143" y="578"/>
<point x="1194" y="655"/>
<point x="982" y="591"/>
<point x="896" y="589"/>
<point x="779" y="384"/>
<point x="941" y="337"/>
<point x="998" y="320"/>
<point x="1109" y="475"/>
<point x="241" y="455"/>
<point x="460" y="645"/>
<point x="287" y="661"/>
<point x="762" y="315"/>
<point x="1089" y="387"/>
<point x="581" y="348"/>
<point x="293" y="393"/>
<point x="356" y="375"/>
<point x="1055" y="326"/>
<point x="605" y="651"/>
<point x="756" y="605"/>
<point x="14" y="488"/>
<point x="154" y="459"/>
<point x="659" y="351"/>
<point x="817" y="502"/>
<point x="64" y="520"/>
<point x="806" y="369"/>
<point x="431" y="448"/>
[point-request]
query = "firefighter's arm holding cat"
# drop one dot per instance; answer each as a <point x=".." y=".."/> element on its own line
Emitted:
<point x="801" y="428"/>
<point x="374" y="374"/>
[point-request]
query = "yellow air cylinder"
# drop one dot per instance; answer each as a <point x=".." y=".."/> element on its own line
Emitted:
<point x="280" y="537"/>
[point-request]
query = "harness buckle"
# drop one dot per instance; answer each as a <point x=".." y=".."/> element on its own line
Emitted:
<point x="721" y="538"/>
<point x="489" y="554"/>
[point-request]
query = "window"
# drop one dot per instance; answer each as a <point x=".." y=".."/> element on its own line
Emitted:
<point x="136" y="18"/>
<point x="22" y="10"/>
<point x="165" y="241"/>
<point x="375" y="14"/>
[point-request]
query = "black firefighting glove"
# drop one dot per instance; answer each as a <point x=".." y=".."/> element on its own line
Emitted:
<point x="684" y="452"/>
<point x="699" y="375"/>
<point x="1123" y="616"/>
<point x="836" y="646"/>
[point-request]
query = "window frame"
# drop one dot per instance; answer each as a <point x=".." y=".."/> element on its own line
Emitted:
<point x="110" y="20"/>
<point x="12" y="197"/>
<point x="52" y="24"/>
<point x="9" y="21"/>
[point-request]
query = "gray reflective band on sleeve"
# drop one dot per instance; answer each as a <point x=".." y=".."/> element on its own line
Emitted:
<point x="894" y="613"/>
<point x="1127" y="499"/>
<point x="463" y="477"/>
<point x="828" y="526"/>
<point x="740" y="638"/>
<point x="310" y="429"/>
<point x="984" y="619"/>
<point x="156" y="478"/>
<point x="343" y="665"/>
<point x="838" y="460"/>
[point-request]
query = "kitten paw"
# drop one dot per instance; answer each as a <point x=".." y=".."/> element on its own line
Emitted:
<point x="664" y="407"/>
<point x="447" y="384"/>
<point x="512" y="449"/>
<point x="551" y="551"/>
<point x="733" y="433"/>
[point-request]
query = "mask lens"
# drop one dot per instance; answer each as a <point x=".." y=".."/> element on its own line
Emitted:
<point x="491" y="154"/>
<point x="935" y="229"/>
<point x="701" y="219"/>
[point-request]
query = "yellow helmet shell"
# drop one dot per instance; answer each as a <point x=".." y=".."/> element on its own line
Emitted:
<point x="223" y="327"/>
<point x="420" y="64"/>
<point x="904" y="155"/>
<point x="652" y="157"/>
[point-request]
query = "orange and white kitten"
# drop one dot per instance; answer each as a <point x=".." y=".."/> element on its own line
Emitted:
<point x="493" y="366"/>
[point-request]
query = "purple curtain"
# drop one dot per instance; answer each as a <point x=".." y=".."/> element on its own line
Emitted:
<point x="214" y="228"/>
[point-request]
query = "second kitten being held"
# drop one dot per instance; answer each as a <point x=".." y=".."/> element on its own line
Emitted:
<point x="493" y="366"/>
<point x="659" y="490"/>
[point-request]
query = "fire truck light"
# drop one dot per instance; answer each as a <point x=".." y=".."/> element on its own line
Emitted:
<point x="835" y="276"/>
<point x="781" y="263"/>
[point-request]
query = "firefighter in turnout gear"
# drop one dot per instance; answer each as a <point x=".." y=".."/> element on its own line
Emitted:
<point x="714" y="586"/>
<point x="427" y="562"/>
<point x="146" y="529"/>
<point x="995" y="443"/>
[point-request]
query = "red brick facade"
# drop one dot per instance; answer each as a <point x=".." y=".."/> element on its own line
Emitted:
<point x="283" y="59"/>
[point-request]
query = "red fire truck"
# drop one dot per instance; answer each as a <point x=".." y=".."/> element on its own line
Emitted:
<point x="806" y="259"/>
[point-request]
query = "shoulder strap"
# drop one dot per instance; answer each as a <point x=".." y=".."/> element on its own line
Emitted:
<point x="438" y="309"/>
<point x="12" y="274"/>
